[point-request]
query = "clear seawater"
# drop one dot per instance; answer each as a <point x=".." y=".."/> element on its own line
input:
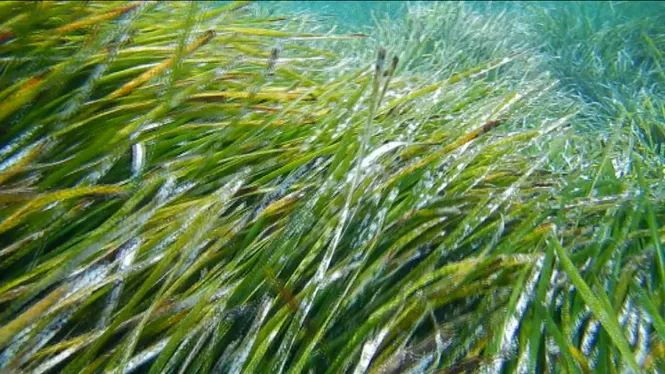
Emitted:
<point x="358" y="14"/>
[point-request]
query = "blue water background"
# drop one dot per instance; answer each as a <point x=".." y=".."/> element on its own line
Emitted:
<point x="360" y="14"/>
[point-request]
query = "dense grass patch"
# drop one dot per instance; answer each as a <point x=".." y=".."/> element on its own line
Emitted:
<point x="189" y="188"/>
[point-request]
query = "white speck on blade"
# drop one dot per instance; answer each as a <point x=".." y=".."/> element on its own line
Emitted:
<point x="105" y="166"/>
<point x="327" y="258"/>
<point x="89" y="279"/>
<point x="523" y="362"/>
<point x="47" y="333"/>
<point x="128" y="253"/>
<point x="15" y="345"/>
<point x="511" y="326"/>
<point x="55" y="360"/>
<point x="236" y="366"/>
<point x="16" y="158"/>
<point x="291" y="335"/>
<point x="126" y="259"/>
<point x="197" y="347"/>
<point x="138" y="158"/>
<point x="632" y="326"/>
<point x="182" y="345"/>
<point x="369" y="160"/>
<point x="154" y="125"/>
<point x="46" y="366"/>
<point x="369" y="349"/>
<point x="589" y="337"/>
<point x="143" y="357"/>
<point x="643" y="339"/>
<point x="18" y="142"/>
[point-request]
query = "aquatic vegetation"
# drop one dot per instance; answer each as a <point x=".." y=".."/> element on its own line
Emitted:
<point x="611" y="56"/>
<point x="195" y="188"/>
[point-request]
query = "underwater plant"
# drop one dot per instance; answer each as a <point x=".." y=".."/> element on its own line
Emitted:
<point x="195" y="187"/>
<point x="610" y="54"/>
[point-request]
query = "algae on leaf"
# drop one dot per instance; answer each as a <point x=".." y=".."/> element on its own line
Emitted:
<point x="196" y="187"/>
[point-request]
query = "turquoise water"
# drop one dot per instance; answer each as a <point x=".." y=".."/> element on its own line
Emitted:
<point x="363" y="13"/>
<point x="352" y="14"/>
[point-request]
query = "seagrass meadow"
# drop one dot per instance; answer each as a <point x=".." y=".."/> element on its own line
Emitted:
<point x="201" y="187"/>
